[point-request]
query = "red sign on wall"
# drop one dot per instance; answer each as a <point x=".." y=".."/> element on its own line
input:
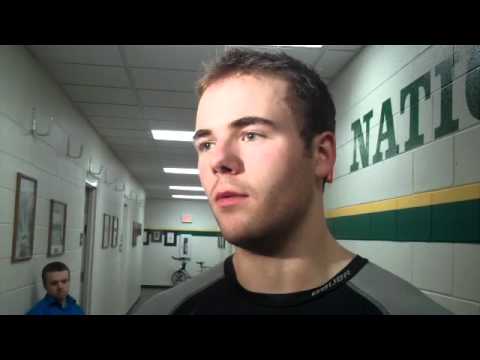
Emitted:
<point x="186" y="218"/>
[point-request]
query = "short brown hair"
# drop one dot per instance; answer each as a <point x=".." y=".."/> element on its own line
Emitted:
<point x="315" y="102"/>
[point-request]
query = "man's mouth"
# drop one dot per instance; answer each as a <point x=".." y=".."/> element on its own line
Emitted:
<point x="229" y="198"/>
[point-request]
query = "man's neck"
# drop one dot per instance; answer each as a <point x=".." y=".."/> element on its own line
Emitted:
<point x="311" y="258"/>
<point x="62" y="302"/>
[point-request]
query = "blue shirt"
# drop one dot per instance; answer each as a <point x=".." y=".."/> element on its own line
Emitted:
<point x="50" y="306"/>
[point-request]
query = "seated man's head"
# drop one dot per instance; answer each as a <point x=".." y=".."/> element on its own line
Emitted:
<point x="56" y="280"/>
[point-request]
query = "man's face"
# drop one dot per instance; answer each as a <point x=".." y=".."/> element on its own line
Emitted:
<point x="252" y="160"/>
<point x="58" y="284"/>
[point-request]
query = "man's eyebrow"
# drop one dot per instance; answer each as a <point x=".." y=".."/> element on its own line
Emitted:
<point x="251" y="120"/>
<point x="201" y="133"/>
<point x="238" y="124"/>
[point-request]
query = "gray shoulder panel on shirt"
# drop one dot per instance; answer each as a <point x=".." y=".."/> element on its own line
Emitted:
<point x="391" y="294"/>
<point x="167" y="301"/>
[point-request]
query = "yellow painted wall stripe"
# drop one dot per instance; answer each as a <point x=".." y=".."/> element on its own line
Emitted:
<point x="461" y="193"/>
<point x="444" y="196"/>
<point x="412" y="201"/>
<point x="374" y="207"/>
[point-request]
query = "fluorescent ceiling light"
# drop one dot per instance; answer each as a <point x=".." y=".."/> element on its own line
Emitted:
<point x="186" y="188"/>
<point x="181" y="171"/>
<point x="171" y="135"/>
<point x="304" y="46"/>
<point x="193" y="197"/>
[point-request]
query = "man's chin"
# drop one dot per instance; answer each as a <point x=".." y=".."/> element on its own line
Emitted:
<point x="243" y="237"/>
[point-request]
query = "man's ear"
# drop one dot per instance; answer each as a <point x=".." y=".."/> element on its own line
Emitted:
<point x="324" y="155"/>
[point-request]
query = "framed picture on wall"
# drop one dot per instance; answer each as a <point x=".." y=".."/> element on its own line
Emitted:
<point x="184" y="248"/>
<point x="57" y="227"/>
<point x="221" y="242"/>
<point x="114" y="234"/>
<point x="106" y="231"/>
<point x="156" y="236"/>
<point x="147" y="238"/>
<point x="170" y="239"/>
<point x="24" y="218"/>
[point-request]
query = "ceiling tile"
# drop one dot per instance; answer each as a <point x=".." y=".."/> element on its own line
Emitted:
<point x="168" y="99"/>
<point x="165" y="79"/>
<point x="134" y="155"/>
<point x="80" y="93"/>
<point x="125" y="111"/>
<point x="182" y="181"/>
<point x="82" y="54"/>
<point x="168" y="114"/>
<point x="344" y="47"/>
<point x="156" y="174"/>
<point x="332" y="62"/>
<point x="119" y="123"/>
<point x="171" y="125"/>
<point x="142" y="141"/>
<point x="89" y="74"/>
<point x="169" y="156"/>
<point x="129" y="134"/>
<point x="187" y="57"/>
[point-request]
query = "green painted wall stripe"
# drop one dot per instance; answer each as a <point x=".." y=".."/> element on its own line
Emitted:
<point x="457" y="222"/>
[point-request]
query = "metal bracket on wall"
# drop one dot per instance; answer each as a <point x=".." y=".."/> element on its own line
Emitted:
<point x="68" y="150"/>
<point x="34" y="130"/>
<point x="93" y="173"/>
<point x="120" y="189"/>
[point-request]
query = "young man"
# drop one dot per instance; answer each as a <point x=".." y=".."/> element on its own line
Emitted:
<point x="57" y="301"/>
<point x="266" y="146"/>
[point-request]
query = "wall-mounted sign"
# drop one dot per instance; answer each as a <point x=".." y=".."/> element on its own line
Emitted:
<point x="410" y="97"/>
<point x="186" y="218"/>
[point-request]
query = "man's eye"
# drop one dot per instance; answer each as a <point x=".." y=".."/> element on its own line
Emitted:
<point x="250" y="136"/>
<point x="205" y="146"/>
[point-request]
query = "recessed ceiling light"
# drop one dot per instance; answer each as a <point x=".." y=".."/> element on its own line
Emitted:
<point x="193" y="197"/>
<point x="186" y="188"/>
<point x="181" y="171"/>
<point x="171" y="135"/>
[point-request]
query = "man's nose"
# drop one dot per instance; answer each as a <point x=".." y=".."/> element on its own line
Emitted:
<point x="225" y="159"/>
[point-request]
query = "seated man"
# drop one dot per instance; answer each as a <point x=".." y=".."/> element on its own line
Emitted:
<point x="57" y="301"/>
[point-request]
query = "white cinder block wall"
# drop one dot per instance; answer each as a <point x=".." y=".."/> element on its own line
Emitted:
<point x="116" y="275"/>
<point x="158" y="264"/>
<point x="449" y="273"/>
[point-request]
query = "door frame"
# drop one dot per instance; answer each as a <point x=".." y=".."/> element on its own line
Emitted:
<point x="88" y="247"/>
